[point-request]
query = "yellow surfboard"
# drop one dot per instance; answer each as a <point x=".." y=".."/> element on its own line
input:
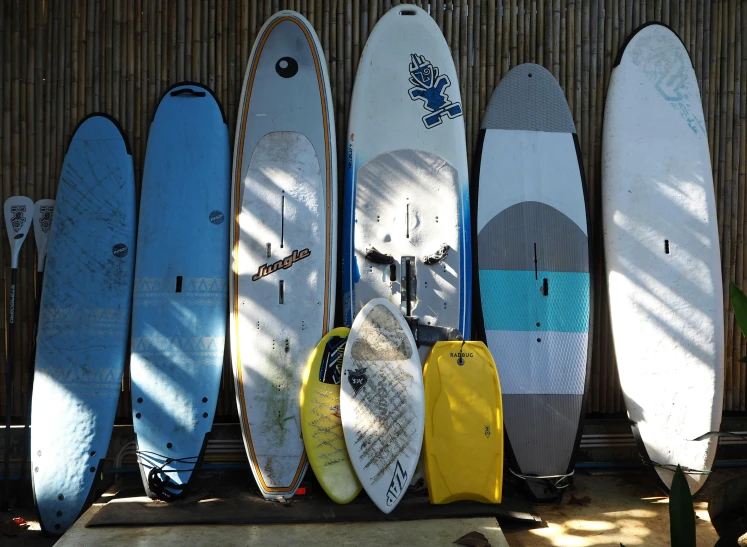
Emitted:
<point x="463" y="424"/>
<point x="320" y="419"/>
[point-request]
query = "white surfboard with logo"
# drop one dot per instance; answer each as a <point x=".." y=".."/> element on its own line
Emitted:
<point x="382" y="403"/>
<point x="406" y="219"/>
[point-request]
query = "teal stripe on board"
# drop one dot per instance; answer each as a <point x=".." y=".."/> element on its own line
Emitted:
<point x="511" y="300"/>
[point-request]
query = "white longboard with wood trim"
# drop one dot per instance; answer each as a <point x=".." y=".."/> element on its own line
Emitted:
<point x="282" y="280"/>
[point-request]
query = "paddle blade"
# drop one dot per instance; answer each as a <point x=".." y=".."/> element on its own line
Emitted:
<point x="43" y="214"/>
<point x="19" y="214"/>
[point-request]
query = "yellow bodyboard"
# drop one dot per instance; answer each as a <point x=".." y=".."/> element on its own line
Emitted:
<point x="320" y="419"/>
<point x="463" y="424"/>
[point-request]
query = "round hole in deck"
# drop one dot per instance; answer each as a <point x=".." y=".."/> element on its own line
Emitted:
<point x="204" y="414"/>
<point x="539" y="339"/>
<point x="530" y="74"/>
<point x="38" y="452"/>
<point x="93" y="453"/>
<point x="59" y="513"/>
<point x="139" y="399"/>
<point x="60" y="497"/>
<point x="538" y="324"/>
<point x="92" y="469"/>
<point x="204" y="399"/>
<point x="57" y="526"/>
<point x="169" y="445"/>
<point x="36" y="469"/>
<point x="138" y="415"/>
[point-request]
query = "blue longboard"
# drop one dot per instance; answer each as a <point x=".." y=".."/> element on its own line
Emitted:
<point x="84" y="320"/>
<point x="180" y="302"/>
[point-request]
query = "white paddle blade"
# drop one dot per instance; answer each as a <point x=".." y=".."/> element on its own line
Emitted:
<point x="19" y="214"/>
<point x="43" y="215"/>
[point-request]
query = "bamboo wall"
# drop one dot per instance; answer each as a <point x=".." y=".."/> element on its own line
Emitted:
<point x="64" y="59"/>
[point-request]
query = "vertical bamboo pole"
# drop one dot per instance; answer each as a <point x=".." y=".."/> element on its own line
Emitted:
<point x="514" y="35"/>
<point x="46" y="120"/>
<point x="74" y="57"/>
<point x="463" y="66"/>
<point x="364" y="26"/>
<point x="349" y="43"/>
<point x="738" y="160"/>
<point x="340" y="95"/>
<point x="724" y="167"/>
<point x="210" y="59"/>
<point x="234" y="67"/>
<point x="584" y="29"/>
<point x="194" y="42"/>
<point x="520" y="31"/>
<point x="335" y="58"/>
<point x="556" y="39"/>
<point x="485" y="84"/>
<point x="570" y="48"/>
<point x="490" y="46"/>
<point x="128" y="61"/>
<point x="356" y="39"/>
<point x="139" y="84"/>
<point x="471" y="62"/>
<point x="540" y="33"/>
<point x="82" y="63"/>
<point x="530" y="23"/>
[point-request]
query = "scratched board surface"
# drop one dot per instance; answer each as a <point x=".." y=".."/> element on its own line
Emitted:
<point x="662" y="253"/>
<point x="382" y="402"/>
<point x="284" y="242"/>
<point x="321" y="424"/>
<point x="406" y="188"/>
<point x="181" y="284"/>
<point x="84" y="320"/>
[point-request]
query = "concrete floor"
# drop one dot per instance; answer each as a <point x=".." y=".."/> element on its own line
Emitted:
<point x="602" y="510"/>
<point x="612" y="509"/>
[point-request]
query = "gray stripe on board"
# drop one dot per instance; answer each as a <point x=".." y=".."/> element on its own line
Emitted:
<point x="528" y="98"/>
<point x="542" y="430"/>
<point x="507" y="241"/>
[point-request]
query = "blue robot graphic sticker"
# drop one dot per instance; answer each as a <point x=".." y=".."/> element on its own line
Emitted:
<point x="430" y="88"/>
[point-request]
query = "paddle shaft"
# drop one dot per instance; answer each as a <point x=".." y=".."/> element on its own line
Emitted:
<point x="30" y="381"/>
<point x="9" y="388"/>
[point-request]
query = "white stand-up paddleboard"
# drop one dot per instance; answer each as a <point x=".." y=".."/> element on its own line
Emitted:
<point x="282" y="285"/>
<point x="662" y="250"/>
<point x="382" y="403"/>
<point x="406" y="221"/>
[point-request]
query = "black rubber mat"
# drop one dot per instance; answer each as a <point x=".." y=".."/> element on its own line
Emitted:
<point x="214" y="500"/>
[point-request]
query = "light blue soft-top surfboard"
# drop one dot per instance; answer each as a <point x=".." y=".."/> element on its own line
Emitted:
<point x="84" y="320"/>
<point x="533" y="261"/>
<point x="179" y="306"/>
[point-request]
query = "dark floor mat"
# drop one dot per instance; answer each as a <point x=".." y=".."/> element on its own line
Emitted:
<point x="217" y="501"/>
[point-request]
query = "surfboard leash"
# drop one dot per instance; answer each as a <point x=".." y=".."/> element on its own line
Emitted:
<point x="673" y="467"/>
<point x="158" y="477"/>
<point x="559" y="483"/>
